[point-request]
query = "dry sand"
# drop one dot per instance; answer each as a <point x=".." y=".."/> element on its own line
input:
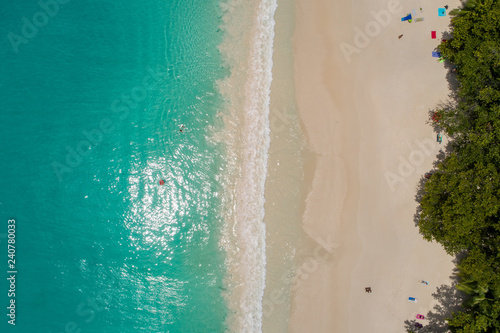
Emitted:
<point x="366" y="120"/>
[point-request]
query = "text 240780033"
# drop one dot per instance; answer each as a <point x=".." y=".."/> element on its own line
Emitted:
<point x="11" y="270"/>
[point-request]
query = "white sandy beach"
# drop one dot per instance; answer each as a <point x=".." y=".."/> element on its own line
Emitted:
<point x="366" y="122"/>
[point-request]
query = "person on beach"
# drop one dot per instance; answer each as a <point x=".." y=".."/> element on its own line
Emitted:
<point x="399" y="37"/>
<point x="368" y="290"/>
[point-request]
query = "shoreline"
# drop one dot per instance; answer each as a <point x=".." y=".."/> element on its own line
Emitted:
<point x="247" y="49"/>
<point x="285" y="192"/>
<point x="362" y="118"/>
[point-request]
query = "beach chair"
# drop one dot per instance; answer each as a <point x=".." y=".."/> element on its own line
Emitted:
<point x="419" y="19"/>
<point x="406" y="18"/>
<point x="412" y="299"/>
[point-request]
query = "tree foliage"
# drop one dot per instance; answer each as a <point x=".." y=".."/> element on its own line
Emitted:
<point x="460" y="207"/>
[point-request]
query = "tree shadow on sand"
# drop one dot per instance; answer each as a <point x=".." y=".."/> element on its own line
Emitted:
<point x="449" y="299"/>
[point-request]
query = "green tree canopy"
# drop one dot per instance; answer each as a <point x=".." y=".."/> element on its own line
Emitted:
<point x="460" y="205"/>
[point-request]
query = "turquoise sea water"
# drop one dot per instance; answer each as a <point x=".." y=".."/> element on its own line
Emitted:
<point x="92" y="111"/>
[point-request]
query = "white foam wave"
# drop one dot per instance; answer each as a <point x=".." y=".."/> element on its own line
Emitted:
<point x="248" y="48"/>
